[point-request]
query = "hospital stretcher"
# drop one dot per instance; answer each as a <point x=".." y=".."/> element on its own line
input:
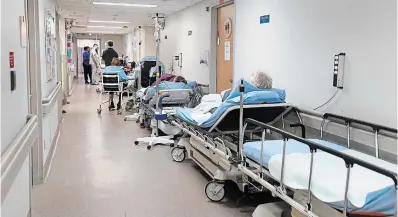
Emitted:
<point x="340" y="180"/>
<point x="168" y="101"/>
<point x="213" y="144"/>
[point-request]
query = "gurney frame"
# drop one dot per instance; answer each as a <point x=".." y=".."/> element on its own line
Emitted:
<point x="280" y="191"/>
<point x="215" y="153"/>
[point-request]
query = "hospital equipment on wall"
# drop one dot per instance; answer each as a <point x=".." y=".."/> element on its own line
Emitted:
<point x="213" y="144"/>
<point x="337" y="180"/>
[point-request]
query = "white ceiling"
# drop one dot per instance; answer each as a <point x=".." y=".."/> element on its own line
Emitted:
<point x="83" y="11"/>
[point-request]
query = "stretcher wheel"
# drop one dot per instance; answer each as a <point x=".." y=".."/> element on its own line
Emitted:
<point x="215" y="191"/>
<point x="149" y="147"/>
<point x="178" y="154"/>
<point x="119" y="112"/>
<point x="98" y="90"/>
<point x="99" y="111"/>
<point x="136" y="142"/>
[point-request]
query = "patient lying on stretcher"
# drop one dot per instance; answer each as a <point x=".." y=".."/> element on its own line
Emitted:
<point x="211" y="102"/>
<point x="259" y="79"/>
<point x="179" y="82"/>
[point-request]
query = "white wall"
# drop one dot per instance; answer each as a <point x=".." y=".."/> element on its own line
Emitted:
<point x="128" y="45"/>
<point x="298" y="45"/>
<point x="194" y="18"/>
<point x="17" y="202"/>
<point x="14" y="104"/>
<point x="149" y="43"/>
<point x="47" y="86"/>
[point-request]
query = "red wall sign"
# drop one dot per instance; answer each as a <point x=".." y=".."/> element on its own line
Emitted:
<point x="221" y="1"/>
<point x="11" y="59"/>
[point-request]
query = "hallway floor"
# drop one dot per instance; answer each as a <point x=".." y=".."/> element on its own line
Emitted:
<point x="97" y="171"/>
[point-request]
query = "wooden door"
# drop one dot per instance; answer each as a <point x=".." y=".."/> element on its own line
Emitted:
<point x="225" y="46"/>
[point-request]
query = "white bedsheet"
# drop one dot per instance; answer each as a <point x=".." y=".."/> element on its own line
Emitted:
<point x="201" y="112"/>
<point x="329" y="175"/>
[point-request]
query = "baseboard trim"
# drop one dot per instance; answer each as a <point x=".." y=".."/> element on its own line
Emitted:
<point x="50" y="156"/>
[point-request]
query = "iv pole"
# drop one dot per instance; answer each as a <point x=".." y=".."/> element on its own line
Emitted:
<point x="158" y="71"/>
<point x="159" y="116"/>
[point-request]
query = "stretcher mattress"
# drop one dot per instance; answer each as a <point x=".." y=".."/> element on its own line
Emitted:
<point x="252" y="150"/>
<point x="369" y="192"/>
<point x="252" y="96"/>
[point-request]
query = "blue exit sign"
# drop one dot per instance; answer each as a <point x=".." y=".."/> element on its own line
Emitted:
<point x="264" y="19"/>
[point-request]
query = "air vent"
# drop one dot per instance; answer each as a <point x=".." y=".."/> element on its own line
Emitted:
<point x="79" y="26"/>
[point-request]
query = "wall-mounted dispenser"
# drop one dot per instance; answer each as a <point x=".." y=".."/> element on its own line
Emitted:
<point x="338" y="71"/>
<point x="179" y="60"/>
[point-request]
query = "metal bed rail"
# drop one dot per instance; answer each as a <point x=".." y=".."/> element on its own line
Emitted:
<point x="349" y="121"/>
<point x="280" y="190"/>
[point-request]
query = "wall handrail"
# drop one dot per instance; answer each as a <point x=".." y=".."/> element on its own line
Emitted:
<point x="375" y="127"/>
<point x="13" y="157"/>
<point x="49" y="101"/>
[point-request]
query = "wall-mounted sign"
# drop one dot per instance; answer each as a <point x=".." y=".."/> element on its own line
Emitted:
<point x="227" y="51"/>
<point x="189" y="32"/>
<point x="264" y="19"/>
<point x="11" y="59"/>
<point x="228" y="28"/>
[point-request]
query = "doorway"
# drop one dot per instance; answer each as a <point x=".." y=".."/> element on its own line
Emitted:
<point x="225" y="47"/>
<point x="81" y="43"/>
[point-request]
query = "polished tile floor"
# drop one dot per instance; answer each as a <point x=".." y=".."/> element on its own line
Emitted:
<point x="97" y="171"/>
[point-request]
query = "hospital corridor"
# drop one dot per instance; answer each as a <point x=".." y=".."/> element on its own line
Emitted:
<point x="199" y="108"/>
<point x="98" y="171"/>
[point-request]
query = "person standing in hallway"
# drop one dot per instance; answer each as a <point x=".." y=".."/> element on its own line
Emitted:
<point x="95" y="64"/>
<point x="109" y="53"/>
<point x="86" y="65"/>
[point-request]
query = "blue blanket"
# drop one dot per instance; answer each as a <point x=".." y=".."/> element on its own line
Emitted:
<point x="252" y="95"/>
<point x="166" y="85"/>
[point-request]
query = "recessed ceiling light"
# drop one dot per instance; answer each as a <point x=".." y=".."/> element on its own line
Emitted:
<point x="125" y="4"/>
<point x="103" y="21"/>
<point x="111" y="27"/>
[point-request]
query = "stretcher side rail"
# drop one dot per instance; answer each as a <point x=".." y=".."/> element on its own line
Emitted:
<point x="349" y="161"/>
<point x="374" y="126"/>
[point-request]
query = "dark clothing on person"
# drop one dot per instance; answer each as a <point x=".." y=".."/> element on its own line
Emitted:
<point x="86" y="58"/>
<point x="108" y="56"/>
<point x="88" y="73"/>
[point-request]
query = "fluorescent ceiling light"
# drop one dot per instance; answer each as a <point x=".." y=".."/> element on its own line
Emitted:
<point x="110" y="27"/>
<point x="125" y="4"/>
<point x="103" y="21"/>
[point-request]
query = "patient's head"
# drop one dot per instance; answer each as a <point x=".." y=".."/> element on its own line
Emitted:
<point x="180" y="79"/>
<point x="261" y="80"/>
<point x="115" y="62"/>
